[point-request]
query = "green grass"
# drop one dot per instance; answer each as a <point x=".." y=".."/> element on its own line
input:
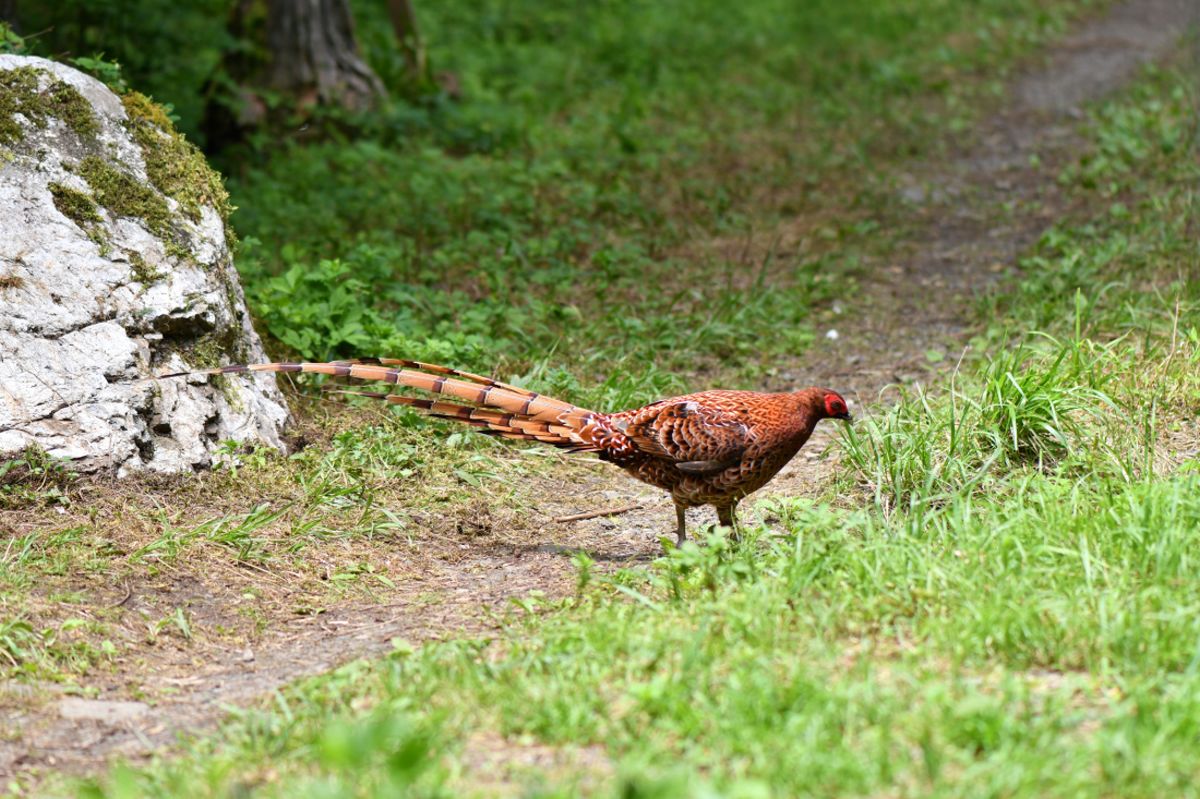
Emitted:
<point x="1029" y="404"/>
<point x="997" y="598"/>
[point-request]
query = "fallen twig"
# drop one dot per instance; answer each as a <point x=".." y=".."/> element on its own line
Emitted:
<point x="578" y="517"/>
<point x="128" y="594"/>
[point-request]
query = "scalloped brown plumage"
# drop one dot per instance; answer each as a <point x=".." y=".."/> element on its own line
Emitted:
<point x="710" y="448"/>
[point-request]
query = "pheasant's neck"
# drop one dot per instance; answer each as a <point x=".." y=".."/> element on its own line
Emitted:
<point x="804" y="419"/>
<point x="783" y="420"/>
<point x="803" y="431"/>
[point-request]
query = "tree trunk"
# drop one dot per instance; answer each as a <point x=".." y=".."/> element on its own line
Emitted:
<point x="8" y="12"/>
<point x="314" y="55"/>
<point x="404" y="23"/>
<point x="302" y="51"/>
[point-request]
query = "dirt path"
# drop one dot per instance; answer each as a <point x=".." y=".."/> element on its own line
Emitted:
<point x="917" y="304"/>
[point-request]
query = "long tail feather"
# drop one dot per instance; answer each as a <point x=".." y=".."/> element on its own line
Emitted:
<point x="461" y="385"/>
<point x="441" y="370"/>
<point x="504" y="410"/>
<point x="492" y="422"/>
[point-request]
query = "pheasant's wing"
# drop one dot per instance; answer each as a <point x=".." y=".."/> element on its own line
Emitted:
<point x="698" y="439"/>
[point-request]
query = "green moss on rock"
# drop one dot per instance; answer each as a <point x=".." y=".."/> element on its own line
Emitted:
<point x="81" y="209"/>
<point x="20" y="93"/>
<point x="206" y="352"/>
<point x="67" y="104"/>
<point x="75" y="205"/>
<point x="143" y="272"/>
<point x="174" y="165"/>
<point x="218" y="349"/>
<point x="124" y="195"/>
<point x="121" y="193"/>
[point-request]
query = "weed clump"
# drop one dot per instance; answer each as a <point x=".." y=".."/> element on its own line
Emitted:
<point x="142" y="271"/>
<point x="1023" y="408"/>
<point x="34" y="477"/>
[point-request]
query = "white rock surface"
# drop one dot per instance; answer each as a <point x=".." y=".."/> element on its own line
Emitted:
<point x="80" y="331"/>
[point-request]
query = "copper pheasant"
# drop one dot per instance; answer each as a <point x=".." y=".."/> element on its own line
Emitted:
<point x="710" y="448"/>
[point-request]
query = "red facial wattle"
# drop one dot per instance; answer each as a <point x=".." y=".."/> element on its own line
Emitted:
<point x="835" y="407"/>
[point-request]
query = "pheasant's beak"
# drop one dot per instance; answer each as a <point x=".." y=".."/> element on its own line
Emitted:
<point x="845" y="417"/>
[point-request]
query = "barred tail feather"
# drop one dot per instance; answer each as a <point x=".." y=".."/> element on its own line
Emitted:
<point x="505" y="410"/>
<point x="506" y="425"/>
<point x="435" y="368"/>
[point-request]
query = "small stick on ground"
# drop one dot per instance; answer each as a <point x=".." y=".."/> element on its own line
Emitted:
<point x="578" y="517"/>
<point x="128" y="594"/>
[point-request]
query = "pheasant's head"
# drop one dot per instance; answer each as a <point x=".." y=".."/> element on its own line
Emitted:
<point x="834" y="406"/>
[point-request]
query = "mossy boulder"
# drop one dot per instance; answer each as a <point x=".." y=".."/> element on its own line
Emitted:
<point x="116" y="265"/>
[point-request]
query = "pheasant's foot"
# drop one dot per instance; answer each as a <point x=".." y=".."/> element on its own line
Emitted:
<point x="726" y="517"/>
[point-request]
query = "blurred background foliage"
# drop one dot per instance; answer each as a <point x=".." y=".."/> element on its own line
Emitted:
<point x="531" y="204"/>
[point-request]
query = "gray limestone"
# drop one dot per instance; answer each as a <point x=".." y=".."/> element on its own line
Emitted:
<point x="92" y="307"/>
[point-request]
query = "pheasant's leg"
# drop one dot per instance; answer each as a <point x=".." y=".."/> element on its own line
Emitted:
<point x="726" y="518"/>
<point x="680" y="525"/>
